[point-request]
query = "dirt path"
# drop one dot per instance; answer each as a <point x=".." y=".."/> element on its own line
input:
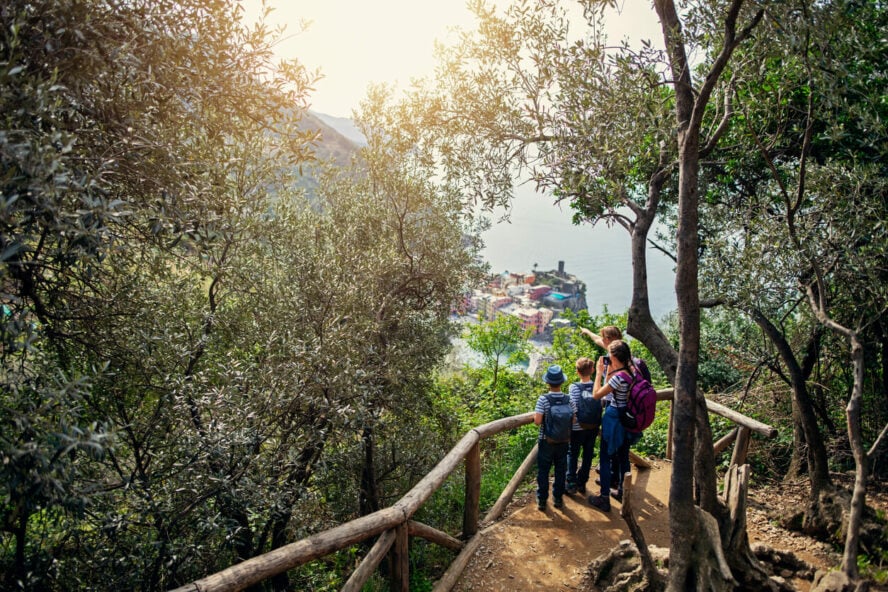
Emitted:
<point x="533" y="550"/>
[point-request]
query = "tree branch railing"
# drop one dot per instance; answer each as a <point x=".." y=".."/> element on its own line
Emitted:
<point x="395" y="525"/>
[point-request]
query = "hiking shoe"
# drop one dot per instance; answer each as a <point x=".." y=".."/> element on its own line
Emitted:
<point x="559" y="503"/>
<point x="541" y="505"/>
<point x="600" y="503"/>
<point x="571" y="489"/>
<point x="617" y="495"/>
<point x="581" y="489"/>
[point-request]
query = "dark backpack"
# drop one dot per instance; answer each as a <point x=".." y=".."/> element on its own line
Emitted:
<point x="641" y="405"/>
<point x="588" y="407"/>
<point x="558" y="420"/>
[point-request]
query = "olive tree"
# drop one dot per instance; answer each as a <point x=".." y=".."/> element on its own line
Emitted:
<point x="808" y="160"/>
<point x="618" y="132"/>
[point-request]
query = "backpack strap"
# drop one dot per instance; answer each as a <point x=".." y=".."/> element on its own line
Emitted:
<point x="628" y="373"/>
<point x="549" y="397"/>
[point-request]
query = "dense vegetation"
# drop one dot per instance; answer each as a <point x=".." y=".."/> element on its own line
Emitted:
<point x="200" y="363"/>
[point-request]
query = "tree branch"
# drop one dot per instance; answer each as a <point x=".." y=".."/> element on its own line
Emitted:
<point x="723" y="124"/>
<point x="872" y="451"/>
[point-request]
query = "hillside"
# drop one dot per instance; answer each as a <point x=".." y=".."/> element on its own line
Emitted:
<point x="332" y="145"/>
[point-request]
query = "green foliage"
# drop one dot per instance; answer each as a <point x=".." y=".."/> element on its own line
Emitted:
<point x="653" y="440"/>
<point x="190" y="349"/>
<point x="471" y="401"/>
<point x="873" y="568"/>
<point x="569" y="344"/>
<point x="501" y="341"/>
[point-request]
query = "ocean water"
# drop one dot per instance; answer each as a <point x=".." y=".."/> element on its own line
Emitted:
<point x="542" y="233"/>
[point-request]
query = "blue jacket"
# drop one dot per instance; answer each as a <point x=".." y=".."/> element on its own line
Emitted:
<point x="612" y="431"/>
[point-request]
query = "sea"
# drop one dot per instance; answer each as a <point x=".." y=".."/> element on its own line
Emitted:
<point x="539" y="232"/>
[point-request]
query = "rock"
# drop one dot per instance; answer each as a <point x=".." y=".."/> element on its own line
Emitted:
<point x="834" y="581"/>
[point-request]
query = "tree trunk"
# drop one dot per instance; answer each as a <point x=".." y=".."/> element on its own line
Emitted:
<point x="817" y="300"/>
<point x="683" y="516"/>
<point x="794" y="471"/>
<point x="858" y="498"/>
<point x="689" y="526"/>
<point x="818" y="468"/>
<point x="641" y="324"/>
<point x="369" y="493"/>
<point x="705" y="475"/>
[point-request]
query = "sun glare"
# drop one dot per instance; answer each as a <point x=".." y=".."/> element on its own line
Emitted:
<point x="356" y="43"/>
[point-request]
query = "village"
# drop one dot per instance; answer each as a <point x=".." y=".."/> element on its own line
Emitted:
<point x="536" y="298"/>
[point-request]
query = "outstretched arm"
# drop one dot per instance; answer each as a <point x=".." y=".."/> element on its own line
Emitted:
<point x="593" y="336"/>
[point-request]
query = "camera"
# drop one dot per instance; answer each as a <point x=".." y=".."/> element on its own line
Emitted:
<point x="607" y="360"/>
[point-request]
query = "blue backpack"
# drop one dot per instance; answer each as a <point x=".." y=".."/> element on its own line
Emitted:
<point x="588" y="407"/>
<point x="558" y="420"/>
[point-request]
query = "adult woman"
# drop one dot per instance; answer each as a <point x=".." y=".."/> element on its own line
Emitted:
<point x="617" y="369"/>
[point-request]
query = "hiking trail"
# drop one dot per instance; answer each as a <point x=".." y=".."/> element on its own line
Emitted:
<point x="529" y="549"/>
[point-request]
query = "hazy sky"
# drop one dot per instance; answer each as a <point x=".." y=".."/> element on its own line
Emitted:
<point x="358" y="42"/>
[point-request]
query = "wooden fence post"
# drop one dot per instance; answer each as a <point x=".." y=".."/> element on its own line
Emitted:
<point x="400" y="580"/>
<point x="741" y="447"/>
<point x="472" y="508"/>
<point x="669" y="432"/>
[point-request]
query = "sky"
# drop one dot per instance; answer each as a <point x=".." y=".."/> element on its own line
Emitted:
<point x="356" y="43"/>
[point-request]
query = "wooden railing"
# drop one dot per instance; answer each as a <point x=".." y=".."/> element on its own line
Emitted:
<point x="395" y="526"/>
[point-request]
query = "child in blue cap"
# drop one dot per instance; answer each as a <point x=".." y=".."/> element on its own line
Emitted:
<point x="555" y="414"/>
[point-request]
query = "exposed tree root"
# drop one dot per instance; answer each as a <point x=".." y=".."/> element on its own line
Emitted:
<point x="723" y="559"/>
<point x="838" y="581"/>
<point x="620" y="570"/>
<point x="783" y="563"/>
<point x="826" y="518"/>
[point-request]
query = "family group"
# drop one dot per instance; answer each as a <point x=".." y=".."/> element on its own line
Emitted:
<point x="610" y="404"/>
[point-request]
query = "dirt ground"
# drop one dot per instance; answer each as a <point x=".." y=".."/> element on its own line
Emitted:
<point x="533" y="550"/>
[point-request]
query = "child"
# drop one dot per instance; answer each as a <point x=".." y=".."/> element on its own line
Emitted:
<point x="555" y="416"/>
<point x="585" y="430"/>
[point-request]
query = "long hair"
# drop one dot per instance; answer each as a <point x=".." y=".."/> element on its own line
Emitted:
<point x="620" y="350"/>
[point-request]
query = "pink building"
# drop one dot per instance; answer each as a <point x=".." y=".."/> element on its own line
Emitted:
<point x="493" y="304"/>
<point x="538" y="292"/>
<point x="530" y="319"/>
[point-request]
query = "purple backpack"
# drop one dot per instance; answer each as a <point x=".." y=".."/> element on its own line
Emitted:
<point x="641" y="406"/>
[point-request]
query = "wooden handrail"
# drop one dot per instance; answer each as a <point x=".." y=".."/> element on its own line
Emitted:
<point x="254" y="570"/>
<point x="719" y="409"/>
<point x="395" y="524"/>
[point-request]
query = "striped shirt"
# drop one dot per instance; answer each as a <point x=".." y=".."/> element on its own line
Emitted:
<point x="575" y="394"/>
<point x="619" y="381"/>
